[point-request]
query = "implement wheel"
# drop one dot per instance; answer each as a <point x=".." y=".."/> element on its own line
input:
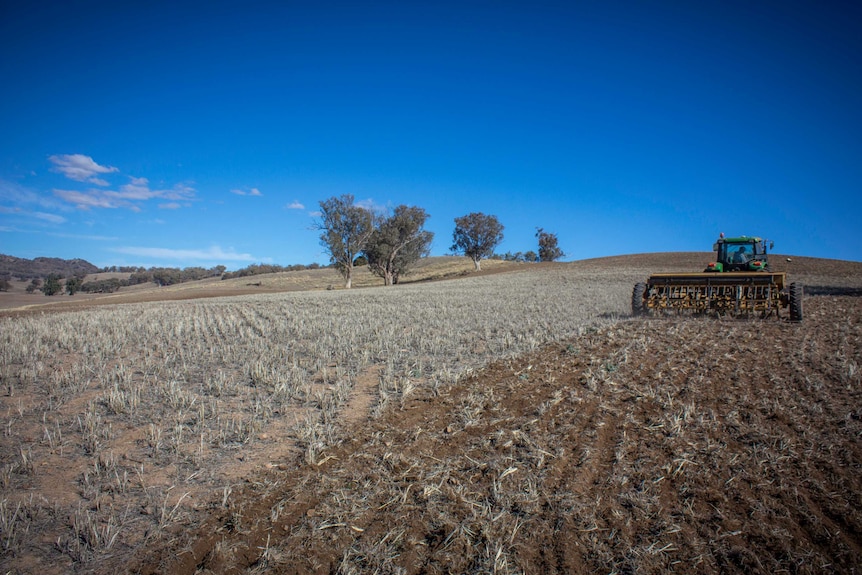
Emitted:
<point x="796" y="292"/>
<point x="638" y="307"/>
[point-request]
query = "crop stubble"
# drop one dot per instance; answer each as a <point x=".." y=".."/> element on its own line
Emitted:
<point x="633" y="446"/>
<point x="128" y="418"/>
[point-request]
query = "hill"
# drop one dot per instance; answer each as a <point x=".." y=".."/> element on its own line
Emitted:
<point x="428" y="269"/>
<point x="813" y="272"/>
<point x="42" y="267"/>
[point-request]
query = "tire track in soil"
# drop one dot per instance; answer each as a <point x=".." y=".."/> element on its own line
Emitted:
<point x="204" y="549"/>
<point x="362" y="397"/>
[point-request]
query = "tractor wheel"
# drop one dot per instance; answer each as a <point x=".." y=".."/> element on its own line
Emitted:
<point x="796" y="292"/>
<point x="638" y="307"/>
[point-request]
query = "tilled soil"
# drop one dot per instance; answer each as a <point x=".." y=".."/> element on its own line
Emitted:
<point x="651" y="446"/>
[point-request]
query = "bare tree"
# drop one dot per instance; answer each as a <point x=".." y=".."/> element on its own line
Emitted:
<point x="548" y="249"/>
<point x="476" y="235"/>
<point x="346" y="229"/>
<point x="398" y="241"/>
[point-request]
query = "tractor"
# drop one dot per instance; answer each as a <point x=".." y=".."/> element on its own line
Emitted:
<point x="738" y="283"/>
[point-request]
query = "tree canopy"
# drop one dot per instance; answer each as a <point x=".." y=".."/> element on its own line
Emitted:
<point x="52" y="285"/>
<point x="476" y="235"/>
<point x="398" y="241"/>
<point x="345" y="231"/>
<point x="549" y="251"/>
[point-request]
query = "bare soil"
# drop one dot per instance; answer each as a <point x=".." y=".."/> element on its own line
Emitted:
<point x="654" y="445"/>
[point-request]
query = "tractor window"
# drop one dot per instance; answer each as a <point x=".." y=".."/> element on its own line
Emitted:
<point x="740" y="253"/>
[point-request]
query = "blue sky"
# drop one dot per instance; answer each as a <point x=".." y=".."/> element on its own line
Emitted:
<point x="186" y="133"/>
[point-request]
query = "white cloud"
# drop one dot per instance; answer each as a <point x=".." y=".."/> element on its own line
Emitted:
<point x="129" y="196"/>
<point x="87" y="200"/>
<point x="251" y="192"/>
<point x="371" y="206"/>
<point x="45" y="216"/>
<point x="15" y="193"/>
<point x="53" y="218"/>
<point x="86" y="237"/>
<point x="137" y="189"/>
<point x="80" y="168"/>
<point x="214" y="253"/>
<point x="294" y="206"/>
<point x="170" y="206"/>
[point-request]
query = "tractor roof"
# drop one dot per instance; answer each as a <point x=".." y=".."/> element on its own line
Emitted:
<point x="741" y="240"/>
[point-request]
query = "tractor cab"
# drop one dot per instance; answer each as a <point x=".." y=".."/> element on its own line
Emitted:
<point x="741" y="254"/>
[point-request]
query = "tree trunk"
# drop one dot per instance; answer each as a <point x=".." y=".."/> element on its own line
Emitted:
<point x="478" y="266"/>
<point x="348" y="278"/>
<point x="389" y="271"/>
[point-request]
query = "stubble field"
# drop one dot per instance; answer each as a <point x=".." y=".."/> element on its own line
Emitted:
<point x="514" y="423"/>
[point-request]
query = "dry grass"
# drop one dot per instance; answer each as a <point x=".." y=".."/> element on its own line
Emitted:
<point x="128" y="426"/>
<point x="429" y="269"/>
<point x="619" y="451"/>
<point x="118" y="409"/>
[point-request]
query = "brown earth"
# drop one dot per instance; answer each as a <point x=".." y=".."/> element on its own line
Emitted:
<point x="651" y="446"/>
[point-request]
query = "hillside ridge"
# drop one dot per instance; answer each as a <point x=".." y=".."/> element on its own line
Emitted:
<point x="42" y="267"/>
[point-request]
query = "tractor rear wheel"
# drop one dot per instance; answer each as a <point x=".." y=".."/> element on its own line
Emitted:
<point x="796" y="292"/>
<point x="638" y="307"/>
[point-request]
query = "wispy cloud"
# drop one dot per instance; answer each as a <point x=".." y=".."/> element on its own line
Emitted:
<point x="371" y="206"/>
<point x="80" y="168"/>
<point x="129" y="196"/>
<point x="294" y="206"/>
<point x="44" y="216"/>
<point x="19" y="195"/>
<point x="85" y="237"/>
<point x="53" y="218"/>
<point x="214" y="253"/>
<point x="92" y="199"/>
<point x="251" y="192"/>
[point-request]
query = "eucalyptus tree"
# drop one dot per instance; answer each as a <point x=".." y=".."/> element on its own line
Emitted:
<point x="476" y="235"/>
<point x="549" y="250"/>
<point x="345" y="230"/>
<point x="398" y="242"/>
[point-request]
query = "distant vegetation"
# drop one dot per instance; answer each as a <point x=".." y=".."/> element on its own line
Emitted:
<point x="257" y="269"/>
<point x="388" y="241"/>
<point x="24" y="269"/>
<point x="57" y="282"/>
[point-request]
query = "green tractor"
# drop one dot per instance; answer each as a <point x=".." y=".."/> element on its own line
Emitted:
<point x="738" y="283"/>
<point x="742" y="254"/>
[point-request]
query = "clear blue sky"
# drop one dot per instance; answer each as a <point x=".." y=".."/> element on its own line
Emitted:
<point x="204" y="133"/>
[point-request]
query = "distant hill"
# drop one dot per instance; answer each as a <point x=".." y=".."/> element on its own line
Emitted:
<point x="24" y="269"/>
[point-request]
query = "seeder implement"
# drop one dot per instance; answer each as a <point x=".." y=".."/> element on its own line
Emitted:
<point x="758" y="292"/>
